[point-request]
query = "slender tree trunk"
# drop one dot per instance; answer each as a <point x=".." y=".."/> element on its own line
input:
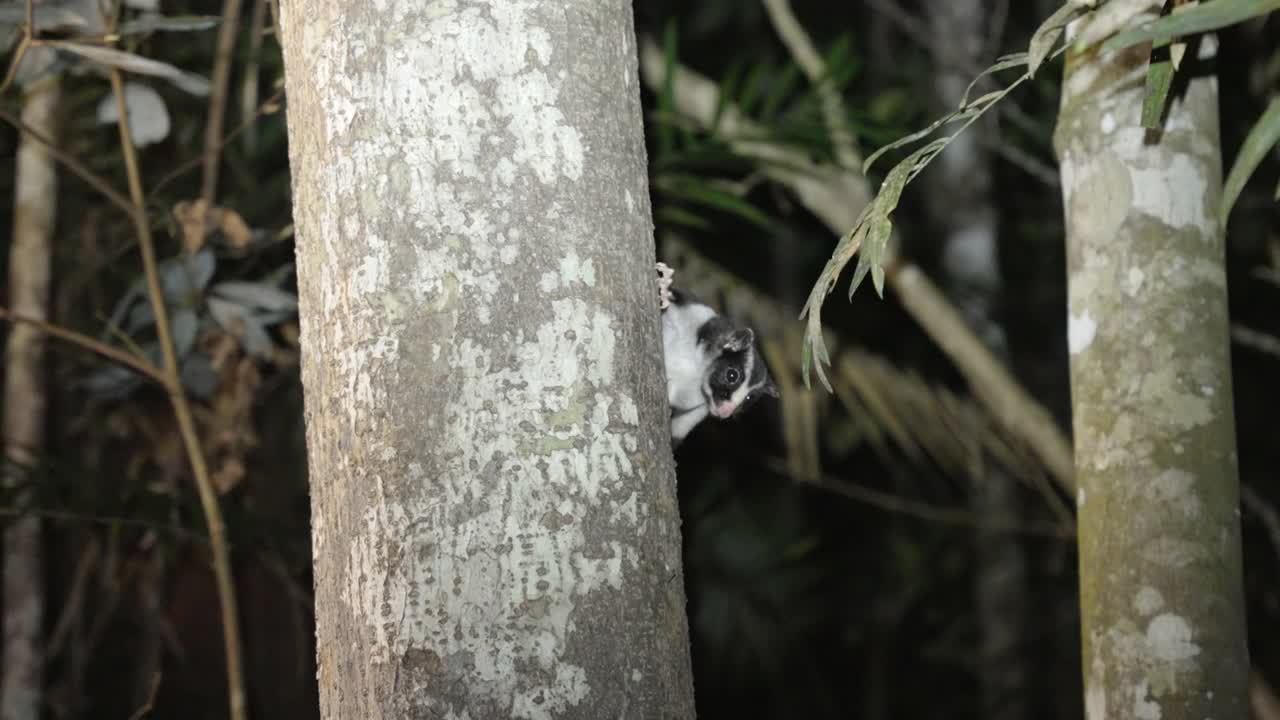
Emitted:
<point x="960" y="203"/>
<point x="1161" y="591"/>
<point x="35" y="202"/>
<point x="495" y="528"/>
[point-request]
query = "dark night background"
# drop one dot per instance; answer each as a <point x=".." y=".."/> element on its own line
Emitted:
<point x="850" y="595"/>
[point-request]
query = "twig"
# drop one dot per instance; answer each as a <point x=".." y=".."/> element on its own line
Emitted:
<point x="249" y="88"/>
<point x="120" y="520"/>
<point x="1255" y="339"/>
<point x="806" y="56"/>
<point x="114" y="354"/>
<point x="837" y="204"/>
<point x="186" y="167"/>
<point x="182" y="409"/>
<point x="1022" y="160"/>
<point x="151" y="699"/>
<point x="893" y="503"/>
<point x="94" y="180"/>
<point x="74" y="604"/>
<point x="218" y="99"/>
<point x="18" y="55"/>
<point x="1267" y="513"/>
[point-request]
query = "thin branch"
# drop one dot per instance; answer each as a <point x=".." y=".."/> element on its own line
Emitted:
<point x="1266" y="512"/>
<point x="182" y="409"/>
<point x="891" y="502"/>
<point x="1255" y="339"/>
<point x="269" y="105"/>
<point x="249" y="90"/>
<point x="151" y="699"/>
<point x="79" y="170"/>
<point x="218" y="99"/>
<point x="1022" y="160"/>
<point x="806" y="56"/>
<point x="73" y="605"/>
<point x="18" y="55"/>
<point x="117" y="355"/>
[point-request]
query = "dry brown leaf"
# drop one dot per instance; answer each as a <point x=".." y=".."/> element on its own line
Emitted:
<point x="195" y="219"/>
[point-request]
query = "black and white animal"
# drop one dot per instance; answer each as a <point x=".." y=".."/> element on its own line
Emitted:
<point x="713" y="366"/>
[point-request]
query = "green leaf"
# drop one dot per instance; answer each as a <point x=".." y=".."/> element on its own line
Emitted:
<point x="1004" y="63"/>
<point x="751" y="89"/>
<point x="1159" y="79"/>
<point x="666" y="99"/>
<point x="1264" y="136"/>
<point x="699" y="190"/>
<point x="782" y="87"/>
<point x="728" y="89"/>
<point x="1046" y="36"/>
<point x="680" y="216"/>
<point x="1201" y="18"/>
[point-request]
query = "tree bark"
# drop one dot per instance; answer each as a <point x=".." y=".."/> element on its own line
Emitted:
<point x="35" y="202"/>
<point x="495" y="529"/>
<point x="1160" y="567"/>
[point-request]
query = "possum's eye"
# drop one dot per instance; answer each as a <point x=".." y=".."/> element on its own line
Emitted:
<point x="732" y="376"/>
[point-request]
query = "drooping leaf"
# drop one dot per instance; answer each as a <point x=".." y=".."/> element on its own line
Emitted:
<point x="1264" y="136"/>
<point x="184" y="325"/>
<point x="1008" y="62"/>
<point x="1046" y="36"/>
<point x="129" y="62"/>
<point x="1201" y="18"/>
<point x="185" y="276"/>
<point x="870" y="235"/>
<point x="173" y="23"/>
<point x="256" y="296"/>
<point x="198" y="375"/>
<point x="238" y="322"/>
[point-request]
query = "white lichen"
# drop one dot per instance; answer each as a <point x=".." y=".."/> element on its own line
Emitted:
<point x="1144" y="709"/>
<point x="1170" y="638"/>
<point x="1148" y="600"/>
<point x="1081" y="330"/>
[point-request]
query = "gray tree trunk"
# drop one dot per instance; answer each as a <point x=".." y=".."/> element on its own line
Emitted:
<point x="35" y="203"/>
<point x="494" y="520"/>
<point x="960" y="203"/>
<point x="1160" y="570"/>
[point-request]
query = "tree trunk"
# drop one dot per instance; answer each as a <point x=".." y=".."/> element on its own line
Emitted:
<point x="1160" y="570"/>
<point x="961" y="209"/>
<point x="35" y="201"/>
<point x="495" y="529"/>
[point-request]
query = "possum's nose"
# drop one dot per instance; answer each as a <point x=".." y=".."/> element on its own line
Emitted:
<point x="723" y="410"/>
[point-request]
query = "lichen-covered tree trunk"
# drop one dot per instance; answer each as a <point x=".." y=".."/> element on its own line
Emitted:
<point x="1160" y="569"/>
<point x="30" y="257"/>
<point x="494" y="520"/>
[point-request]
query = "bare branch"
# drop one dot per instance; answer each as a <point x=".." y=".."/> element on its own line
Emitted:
<point x="182" y="409"/>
